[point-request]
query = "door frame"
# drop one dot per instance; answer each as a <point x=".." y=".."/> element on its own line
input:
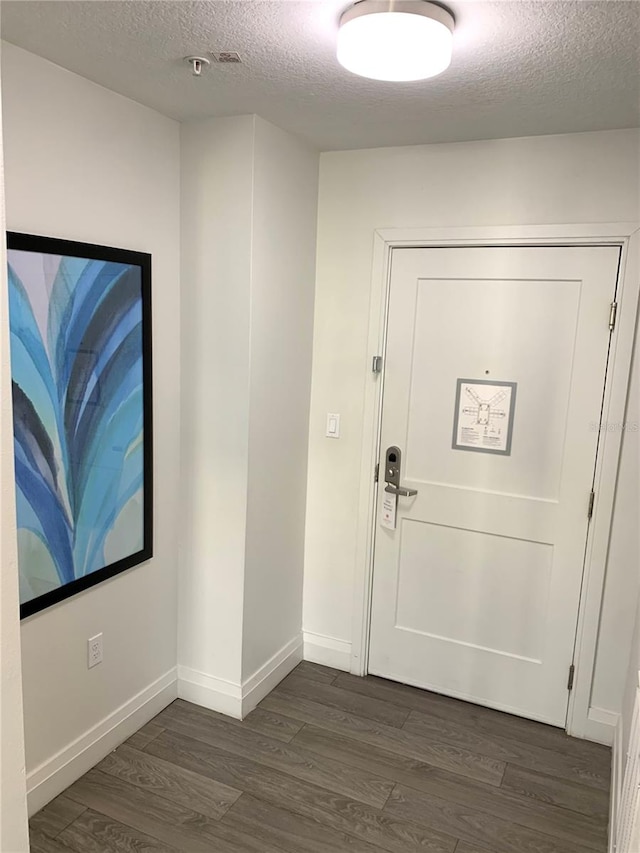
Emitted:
<point x="582" y="721"/>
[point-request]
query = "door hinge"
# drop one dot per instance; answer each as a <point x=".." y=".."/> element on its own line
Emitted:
<point x="613" y="313"/>
<point x="376" y="364"/>
<point x="592" y="498"/>
<point x="572" y="672"/>
<point x="377" y="473"/>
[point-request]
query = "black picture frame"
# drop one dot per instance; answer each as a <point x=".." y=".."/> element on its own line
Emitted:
<point x="93" y="252"/>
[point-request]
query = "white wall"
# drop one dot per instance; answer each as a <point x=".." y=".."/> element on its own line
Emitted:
<point x="13" y="789"/>
<point x="619" y="803"/>
<point x="630" y="661"/>
<point x="631" y="684"/>
<point x="217" y="190"/>
<point x="282" y="295"/>
<point x="85" y="164"/>
<point x="249" y="196"/>
<point x="622" y="583"/>
<point x="579" y="178"/>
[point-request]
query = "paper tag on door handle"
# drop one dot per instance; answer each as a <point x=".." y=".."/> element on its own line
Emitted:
<point x="389" y="511"/>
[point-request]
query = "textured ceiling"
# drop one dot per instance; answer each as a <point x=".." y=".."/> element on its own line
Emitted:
<point x="520" y="68"/>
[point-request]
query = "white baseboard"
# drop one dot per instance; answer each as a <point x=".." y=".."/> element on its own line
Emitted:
<point x="601" y="715"/>
<point x="237" y="700"/>
<point x="210" y="692"/>
<point x="601" y="725"/>
<point x="328" y="651"/>
<point x="270" y="674"/>
<point x="61" y="770"/>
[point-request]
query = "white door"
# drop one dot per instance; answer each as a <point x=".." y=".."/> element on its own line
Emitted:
<point x="493" y="383"/>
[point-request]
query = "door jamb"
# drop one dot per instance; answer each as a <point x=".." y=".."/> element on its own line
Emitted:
<point x="582" y="721"/>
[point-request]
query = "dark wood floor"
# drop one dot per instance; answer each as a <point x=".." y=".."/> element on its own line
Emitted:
<point x="329" y="763"/>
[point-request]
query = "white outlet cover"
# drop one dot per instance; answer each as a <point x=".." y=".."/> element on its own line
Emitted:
<point x="94" y="650"/>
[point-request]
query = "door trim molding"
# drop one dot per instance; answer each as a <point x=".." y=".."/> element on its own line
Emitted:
<point x="624" y="234"/>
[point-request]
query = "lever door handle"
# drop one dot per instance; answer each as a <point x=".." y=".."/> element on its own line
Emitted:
<point x="392" y="467"/>
<point x="400" y="491"/>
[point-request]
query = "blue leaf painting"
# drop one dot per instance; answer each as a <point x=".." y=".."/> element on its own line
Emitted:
<point x="77" y="377"/>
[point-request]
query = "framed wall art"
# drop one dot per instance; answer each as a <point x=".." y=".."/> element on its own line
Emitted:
<point x="80" y="318"/>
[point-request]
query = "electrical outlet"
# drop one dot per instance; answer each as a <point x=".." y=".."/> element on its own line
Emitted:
<point x="94" y="650"/>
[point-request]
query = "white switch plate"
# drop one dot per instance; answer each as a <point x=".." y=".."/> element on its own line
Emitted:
<point x="333" y="425"/>
<point x="94" y="650"/>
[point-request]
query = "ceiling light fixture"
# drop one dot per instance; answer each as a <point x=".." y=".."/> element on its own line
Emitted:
<point x="396" y="40"/>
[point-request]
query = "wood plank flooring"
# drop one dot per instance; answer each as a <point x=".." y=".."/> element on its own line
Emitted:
<point x="330" y="763"/>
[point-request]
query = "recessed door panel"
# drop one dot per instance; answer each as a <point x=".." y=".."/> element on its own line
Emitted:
<point x="492" y="330"/>
<point x="500" y="586"/>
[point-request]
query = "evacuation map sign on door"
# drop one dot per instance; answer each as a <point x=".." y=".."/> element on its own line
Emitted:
<point x="483" y="419"/>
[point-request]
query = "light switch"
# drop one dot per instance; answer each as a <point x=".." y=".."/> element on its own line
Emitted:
<point x="333" y="425"/>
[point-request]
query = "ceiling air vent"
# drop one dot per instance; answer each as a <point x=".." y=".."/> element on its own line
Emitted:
<point x="227" y="56"/>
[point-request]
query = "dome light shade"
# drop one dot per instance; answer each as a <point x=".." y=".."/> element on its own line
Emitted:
<point x="396" y="40"/>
